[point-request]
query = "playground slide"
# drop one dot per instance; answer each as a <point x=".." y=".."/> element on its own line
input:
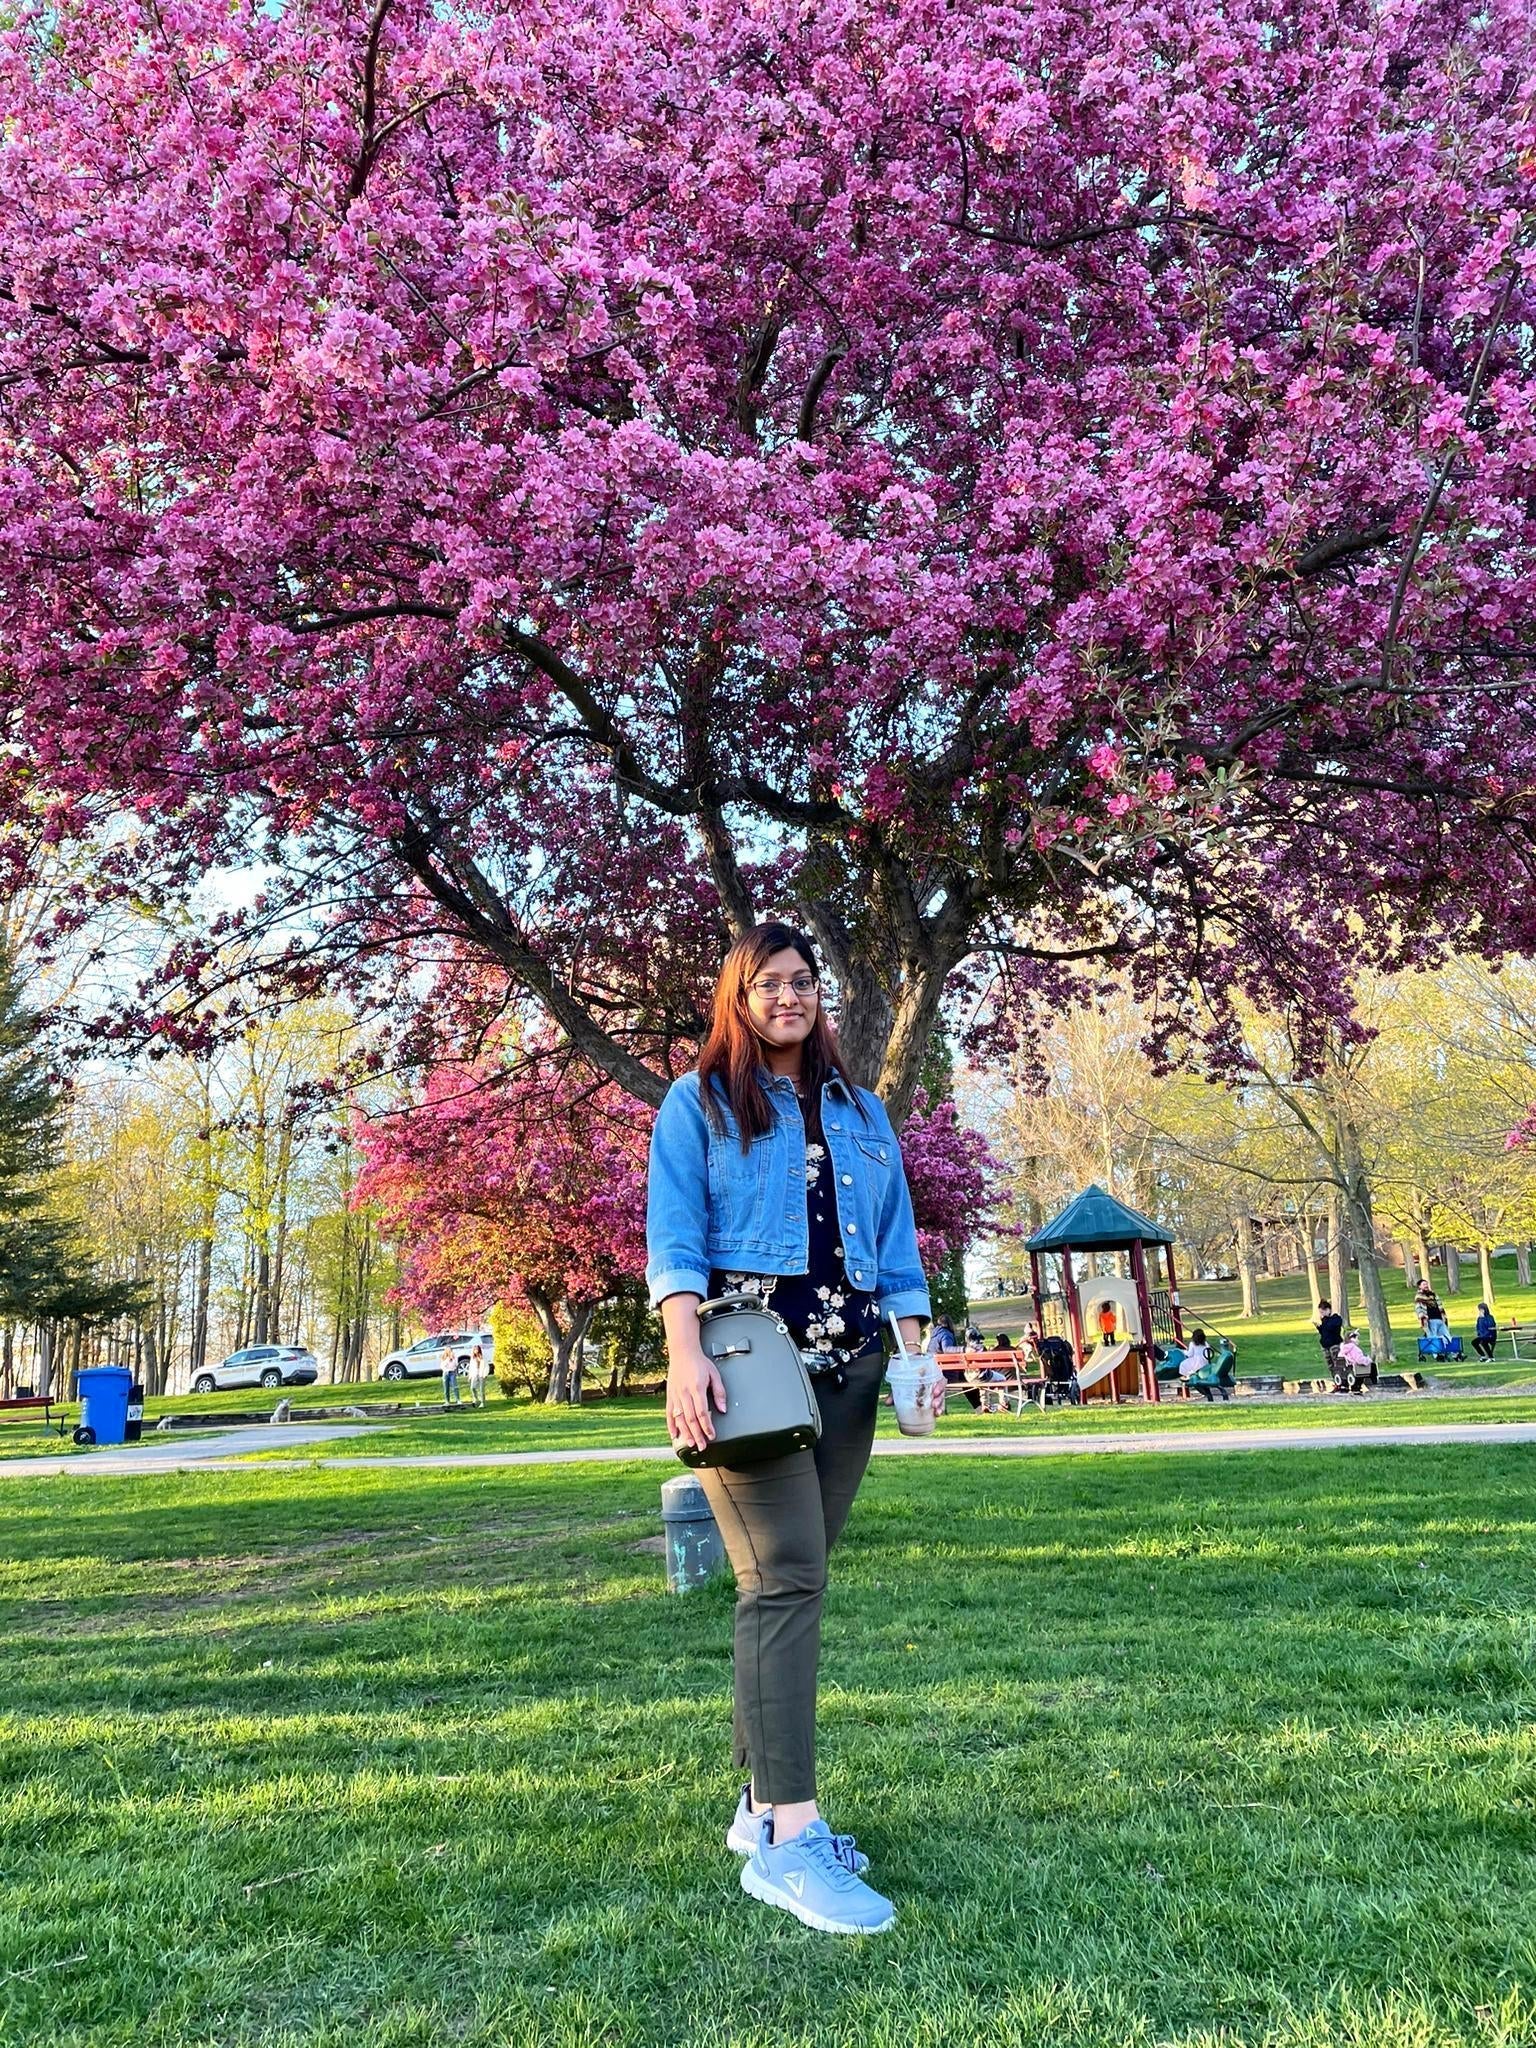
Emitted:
<point x="1100" y="1365"/>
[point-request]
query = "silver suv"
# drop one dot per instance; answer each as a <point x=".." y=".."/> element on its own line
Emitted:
<point x="260" y="1365"/>
<point x="431" y="1354"/>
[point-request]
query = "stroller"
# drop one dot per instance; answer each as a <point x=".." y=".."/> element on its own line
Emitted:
<point x="1055" y="1354"/>
<point x="1352" y="1375"/>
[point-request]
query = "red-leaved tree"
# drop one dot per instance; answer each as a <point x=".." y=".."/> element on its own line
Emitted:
<point x="499" y="1190"/>
<point x="563" y="477"/>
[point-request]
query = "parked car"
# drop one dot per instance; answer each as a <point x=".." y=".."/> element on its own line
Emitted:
<point x="429" y="1354"/>
<point x="260" y="1365"/>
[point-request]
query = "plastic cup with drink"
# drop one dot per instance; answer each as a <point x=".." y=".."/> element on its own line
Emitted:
<point x="913" y="1378"/>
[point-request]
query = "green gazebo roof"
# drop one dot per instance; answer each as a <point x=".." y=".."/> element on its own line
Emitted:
<point x="1094" y="1221"/>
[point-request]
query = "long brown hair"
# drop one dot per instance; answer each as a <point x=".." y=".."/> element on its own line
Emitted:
<point x="733" y="1052"/>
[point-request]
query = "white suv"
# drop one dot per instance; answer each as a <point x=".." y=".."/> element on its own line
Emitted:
<point x="431" y="1354"/>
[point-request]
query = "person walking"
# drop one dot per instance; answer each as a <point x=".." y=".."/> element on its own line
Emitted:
<point x="479" y="1373"/>
<point x="772" y="1174"/>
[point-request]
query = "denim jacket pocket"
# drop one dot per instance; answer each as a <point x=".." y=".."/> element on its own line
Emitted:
<point x="737" y="1180"/>
<point x="878" y="1151"/>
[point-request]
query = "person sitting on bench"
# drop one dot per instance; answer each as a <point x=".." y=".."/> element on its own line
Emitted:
<point x="1486" y="1337"/>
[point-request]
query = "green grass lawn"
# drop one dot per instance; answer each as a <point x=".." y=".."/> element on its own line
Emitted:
<point x="1172" y="1753"/>
<point x="634" y="1423"/>
<point x="1283" y="1339"/>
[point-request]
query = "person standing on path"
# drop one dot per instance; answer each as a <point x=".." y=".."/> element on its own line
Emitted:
<point x="1330" y="1334"/>
<point x="772" y="1174"/>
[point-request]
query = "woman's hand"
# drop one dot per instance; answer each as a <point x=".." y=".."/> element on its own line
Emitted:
<point x="693" y="1381"/>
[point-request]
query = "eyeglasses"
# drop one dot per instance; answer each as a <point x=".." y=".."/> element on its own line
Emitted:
<point x="770" y="987"/>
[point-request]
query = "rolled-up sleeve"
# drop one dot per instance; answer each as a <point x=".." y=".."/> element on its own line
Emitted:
<point x="903" y="1289"/>
<point x="677" y="1197"/>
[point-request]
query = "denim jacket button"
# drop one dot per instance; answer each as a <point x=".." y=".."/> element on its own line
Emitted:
<point x="847" y="1180"/>
<point x="853" y="1230"/>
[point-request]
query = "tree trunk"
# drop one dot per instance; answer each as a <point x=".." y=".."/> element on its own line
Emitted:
<point x="261" y="1332"/>
<point x="1522" y="1263"/>
<point x="1485" y="1266"/>
<point x="1247" y="1277"/>
<point x="1452" y="1269"/>
<point x="1421" y="1257"/>
<point x="916" y="1017"/>
<point x="44" y="1358"/>
<point x="1410" y="1267"/>
<point x="562" y="1343"/>
<point x="1338" y="1262"/>
<point x="1309" y="1263"/>
<point x="1361" y="1225"/>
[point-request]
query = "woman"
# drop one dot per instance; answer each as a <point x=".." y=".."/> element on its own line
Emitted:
<point x="771" y="1174"/>
<point x="479" y="1373"/>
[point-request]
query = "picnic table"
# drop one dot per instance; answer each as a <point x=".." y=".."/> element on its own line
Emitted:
<point x="1521" y="1332"/>
<point x="1021" y="1379"/>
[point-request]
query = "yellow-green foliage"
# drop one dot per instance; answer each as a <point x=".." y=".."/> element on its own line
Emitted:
<point x="522" y="1351"/>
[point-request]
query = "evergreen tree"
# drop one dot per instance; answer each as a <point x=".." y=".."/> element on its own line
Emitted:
<point x="46" y="1273"/>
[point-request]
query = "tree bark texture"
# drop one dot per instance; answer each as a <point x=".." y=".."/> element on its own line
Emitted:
<point x="1338" y="1258"/>
<point x="1247" y="1274"/>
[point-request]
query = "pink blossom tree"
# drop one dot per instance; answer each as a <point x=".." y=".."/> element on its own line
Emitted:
<point x="499" y="1191"/>
<point x="958" y="1186"/>
<point x="560" y="480"/>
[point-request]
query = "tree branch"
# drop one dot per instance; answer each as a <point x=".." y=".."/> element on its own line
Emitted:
<point x="805" y="426"/>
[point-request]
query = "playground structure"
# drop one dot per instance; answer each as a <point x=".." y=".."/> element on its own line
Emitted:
<point x="1114" y="1358"/>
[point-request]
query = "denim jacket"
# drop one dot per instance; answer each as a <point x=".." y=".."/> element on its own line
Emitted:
<point x="709" y="1204"/>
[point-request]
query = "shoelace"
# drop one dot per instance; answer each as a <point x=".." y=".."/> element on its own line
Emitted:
<point x="827" y="1851"/>
<point x="847" y="1852"/>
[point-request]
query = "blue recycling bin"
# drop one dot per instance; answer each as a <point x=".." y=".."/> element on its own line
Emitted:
<point x="104" y="1404"/>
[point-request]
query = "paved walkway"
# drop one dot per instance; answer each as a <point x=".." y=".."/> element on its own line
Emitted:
<point x="213" y="1452"/>
<point x="175" y="1453"/>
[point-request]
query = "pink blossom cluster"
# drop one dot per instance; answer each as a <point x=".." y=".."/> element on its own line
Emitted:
<point x="539" y="472"/>
<point x="958" y="1185"/>
<point x="507" y="1190"/>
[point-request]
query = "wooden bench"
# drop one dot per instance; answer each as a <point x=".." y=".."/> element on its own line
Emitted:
<point x="44" y="1401"/>
<point x="1020" y="1380"/>
<point x="1521" y="1332"/>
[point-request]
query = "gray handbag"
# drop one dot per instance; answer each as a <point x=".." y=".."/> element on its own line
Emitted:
<point x="770" y="1408"/>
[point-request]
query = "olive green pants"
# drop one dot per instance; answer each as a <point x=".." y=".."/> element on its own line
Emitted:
<point x="778" y="1520"/>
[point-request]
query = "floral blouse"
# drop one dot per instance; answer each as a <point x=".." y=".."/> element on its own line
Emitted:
<point x="823" y="1310"/>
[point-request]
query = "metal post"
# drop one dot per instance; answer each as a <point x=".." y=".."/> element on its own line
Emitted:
<point x="1173" y="1294"/>
<point x="1149" y="1389"/>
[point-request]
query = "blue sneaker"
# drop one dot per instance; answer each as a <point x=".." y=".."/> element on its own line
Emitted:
<point x="807" y="1877"/>
<point x="746" y="1826"/>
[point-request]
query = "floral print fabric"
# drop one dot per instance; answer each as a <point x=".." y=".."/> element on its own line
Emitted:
<point x="823" y="1310"/>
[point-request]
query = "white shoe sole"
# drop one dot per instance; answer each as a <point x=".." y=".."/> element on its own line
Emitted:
<point x="760" y="1888"/>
